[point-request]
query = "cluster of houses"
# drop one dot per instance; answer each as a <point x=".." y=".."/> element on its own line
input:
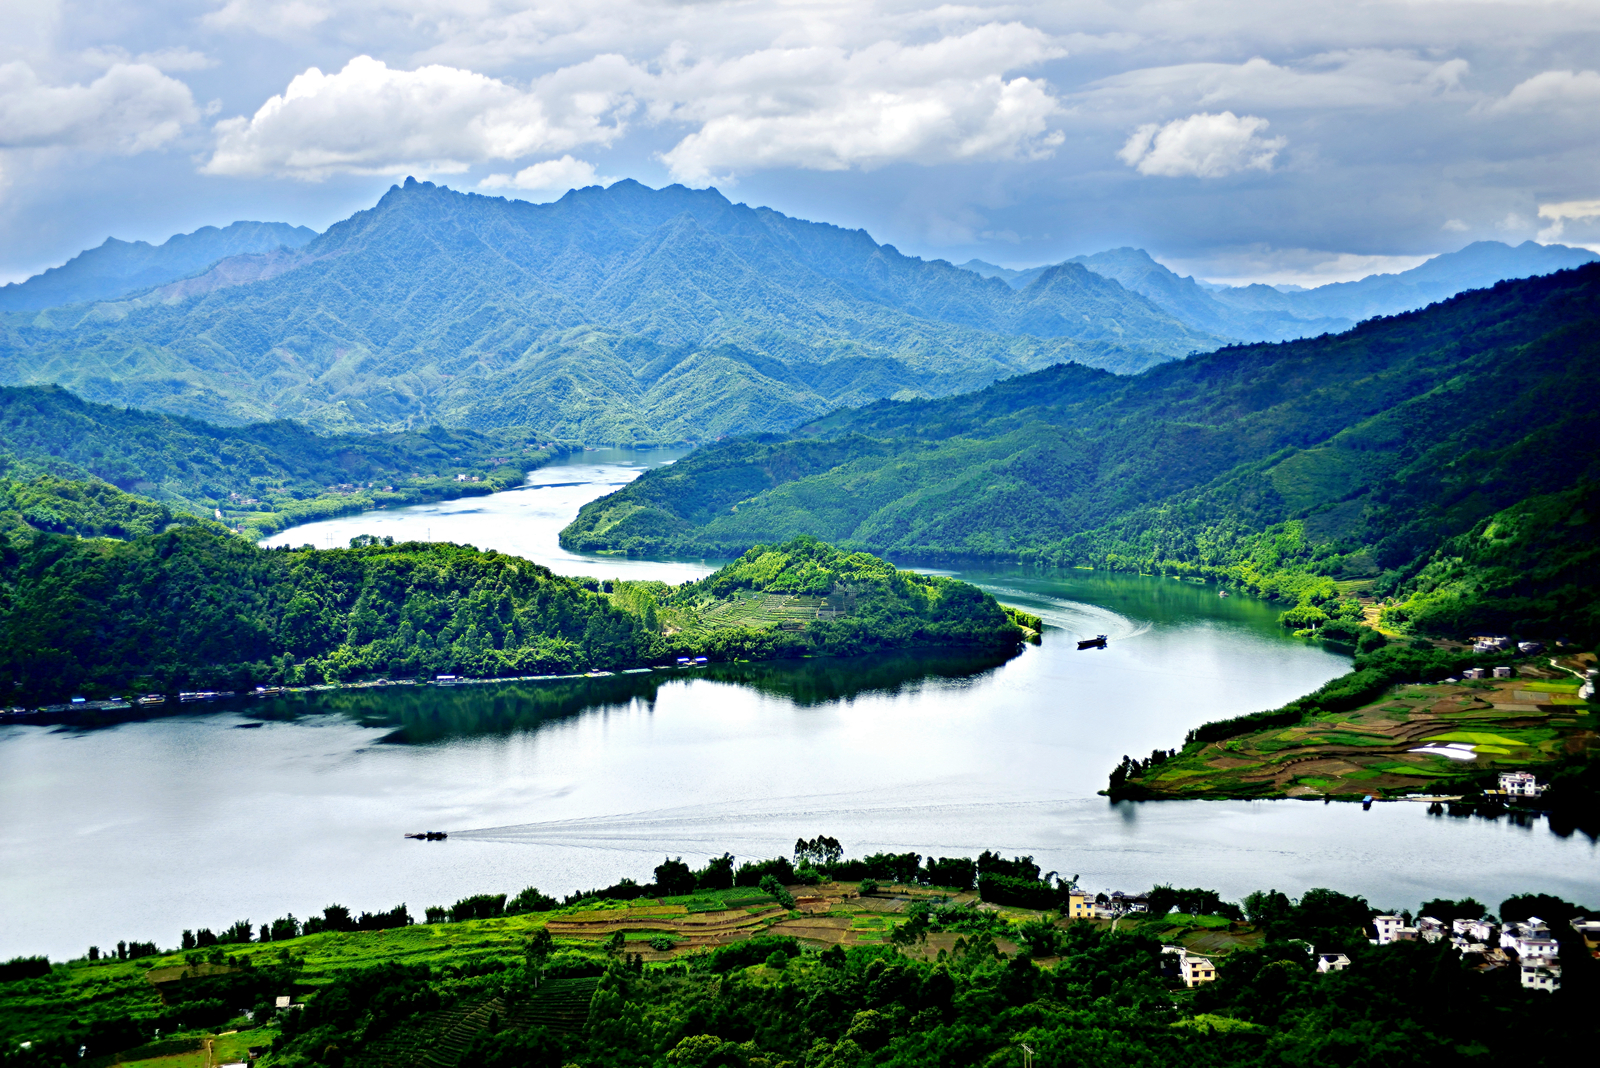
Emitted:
<point x="1485" y="673"/>
<point x="1499" y="644"/>
<point x="1528" y="945"/>
<point x="1084" y="906"/>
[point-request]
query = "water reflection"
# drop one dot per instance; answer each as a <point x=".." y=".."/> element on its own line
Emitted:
<point x="418" y="714"/>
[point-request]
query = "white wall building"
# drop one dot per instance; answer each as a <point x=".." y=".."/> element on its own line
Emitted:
<point x="1541" y="976"/>
<point x="1388" y="928"/>
<point x="1520" y="784"/>
<point x="1332" y="962"/>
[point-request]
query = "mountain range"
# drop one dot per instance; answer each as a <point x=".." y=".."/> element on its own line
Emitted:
<point x="1270" y="313"/>
<point x="119" y="268"/>
<point x="1352" y="457"/>
<point x="623" y="314"/>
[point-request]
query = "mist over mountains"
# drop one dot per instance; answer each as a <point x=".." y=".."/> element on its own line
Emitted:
<point x="1266" y="313"/>
<point x="623" y="314"/>
<point x="119" y="268"/>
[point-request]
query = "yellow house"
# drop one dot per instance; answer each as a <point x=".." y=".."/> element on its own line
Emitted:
<point x="1195" y="970"/>
<point x="1078" y="905"/>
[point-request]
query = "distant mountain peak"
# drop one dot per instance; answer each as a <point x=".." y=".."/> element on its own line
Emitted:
<point x="115" y="268"/>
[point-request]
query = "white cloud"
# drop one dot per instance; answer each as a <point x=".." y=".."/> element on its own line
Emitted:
<point x="1202" y="146"/>
<point x="369" y="119"/>
<point x="1454" y="226"/>
<point x="177" y="59"/>
<point x="819" y="108"/>
<point x="1365" y="79"/>
<point x="1552" y="90"/>
<point x="832" y="108"/>
<point x="1558" y="214"/>
<point x="551" y="176"/>
<point x="131" y="108"/>
<point x="1239" y="266"/>
<point x="270" y="18"/>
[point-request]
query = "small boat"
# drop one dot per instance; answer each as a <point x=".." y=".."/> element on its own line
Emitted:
<point x="429" y="836"/>
<point x="1223" y="593"/>
<point x="1097" y="642"/>
<point x="153" y="699"/>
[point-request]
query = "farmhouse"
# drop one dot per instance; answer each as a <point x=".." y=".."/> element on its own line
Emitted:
<point x="1520" y="784"/>
<point x="1192" y="968"/>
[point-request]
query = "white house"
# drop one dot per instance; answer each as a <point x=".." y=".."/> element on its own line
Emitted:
<point x="1520" y="784"/>
<point x="1332" y="962"/>
<point x="1502" y="672"/>
<point x="1473" y="930"/>
<point x="1531" y="941"/>
<point x="1541" y="976"/>
<point x="1430" y="929"/>
<point x="1389" y="928"/>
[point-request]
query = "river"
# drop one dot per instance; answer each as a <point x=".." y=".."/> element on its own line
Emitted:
<point x="259" y="809"/>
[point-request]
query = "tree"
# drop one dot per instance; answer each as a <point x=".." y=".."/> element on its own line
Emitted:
<point x="674" y="878"/>
<point x="717" y="875"/>
<point x="770" y="885"/>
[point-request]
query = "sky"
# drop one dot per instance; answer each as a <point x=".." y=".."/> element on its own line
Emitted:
<point x="1238" y="140"/>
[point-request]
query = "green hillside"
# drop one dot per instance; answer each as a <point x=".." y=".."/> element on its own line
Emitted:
<point x="613" y="315"/>
<point x="124" y="596"/>
<point x="1285" y="467"/>
<point x="260" y="478"/>
<point x="882" y="961"/>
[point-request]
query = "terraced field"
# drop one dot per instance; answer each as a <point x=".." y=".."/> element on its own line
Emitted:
<point x="756" y="611"/>
<point x="1399" y="744"/>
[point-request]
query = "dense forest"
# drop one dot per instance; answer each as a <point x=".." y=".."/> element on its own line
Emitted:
<point x="261" y="478"/>
<point x="178" y="606"/>
<point x="525" y="981"/>
<point x="1379" y="457"/>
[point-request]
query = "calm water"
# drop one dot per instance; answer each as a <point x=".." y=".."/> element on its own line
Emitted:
<point x="140" y="830"/>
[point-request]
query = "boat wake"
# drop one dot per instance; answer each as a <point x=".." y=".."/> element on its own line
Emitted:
<point x="759" y="825"/>
<point x="1078" y="619"/>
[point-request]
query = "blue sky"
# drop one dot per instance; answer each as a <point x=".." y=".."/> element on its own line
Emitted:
<point x="1279" y="141"/>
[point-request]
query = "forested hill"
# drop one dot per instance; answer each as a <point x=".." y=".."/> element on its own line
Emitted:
<point x="141" y="600"/>
<point x="261" y="477"/>
<point x="624" y="314"/>
<point x="1350" y="457"/>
